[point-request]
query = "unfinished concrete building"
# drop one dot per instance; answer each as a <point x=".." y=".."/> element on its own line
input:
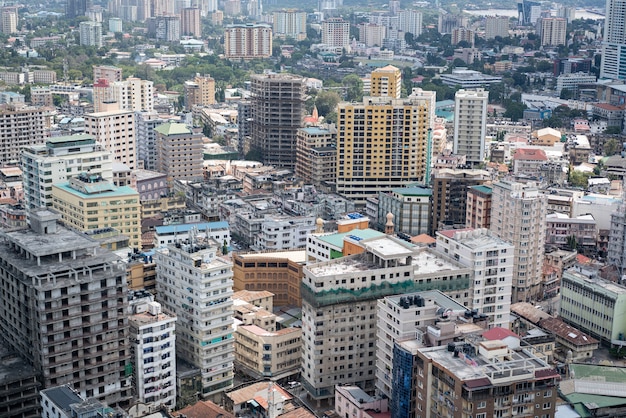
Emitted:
<point x="63" y="308"/>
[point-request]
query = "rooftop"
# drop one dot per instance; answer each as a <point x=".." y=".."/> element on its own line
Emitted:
<point x="567" y="332"/>
<point x="257" y="390"/>
<point x="528" y="154"/>
<point x="173" y="128"/>
<point x="203" y="409"/>
<point x="413" y="191"/>
<point x="62" y="397"/>
<point x="296" y="256"/>
<point x="529" y="312"/>
<point x="475" y="238"/>
<point x="251" y="295"/>
<point x="336" y="239"/>
<point x="184" y="228"/>
<point x="499" y="333"/>
<point x="440" y="299"/>
<point x="256" y="330"/>
<point x="13" y="368"/>
<point x="122" y="191"/>
<point x="482" y="188"/>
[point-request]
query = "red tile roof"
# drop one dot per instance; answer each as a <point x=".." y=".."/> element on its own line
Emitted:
<point x="203" y="409"/>
<point x="499" y="333"/>
<point x="530" y="154"/>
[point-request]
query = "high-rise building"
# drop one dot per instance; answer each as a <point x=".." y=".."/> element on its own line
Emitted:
<point x="248" y="41"/>
<point x="496" y="26"/>
<point x="450" y="187"/>
<point x="336" y="33"/>
<point x="58" y="160"/>
<point x="76" y="8"/>
<point x="200" y="91"/>
<point x="100" y="198"/>
<point x="487" y="378"/>
<point x="491" y="258"/>
<point x="470" y="125"/>
<point x="107" y="72"/>
<point x="371" y="34"/>
<point x="290" y="23"/>
<point x="462" y="34"/>
<point x="553" y="31"/>
<point x="410" y="21"/>
<point x="277" y="114"/>
<point x="566" y="12"/>
<point x="528" y="12"/>
<point x="22" y="127"/>
<point x="410" y="207"/>
<point x="478" y="207"/>
<point x="153" y="351"/>
<point x="74" y="329"/>
<point x="9" y="20"/>
<point x="339" y="300"/>
<point x="145" y="122"/>
<point x="518" y="215"/>
<point x="91" y="34"/>
<point x="165" y="28"/>
<point x="115" y="129"/>
<point x="386" y="82"/>
<point x="382" y="143"/>
<point x="204" y="308"/>
<point x="316" y="155"/>
<point x="133" y="94"/>
<point x="179" y="151"/>
<point x="448" y="22"/>
<point x="190" y="24"/>
<point x="115" y="25"/>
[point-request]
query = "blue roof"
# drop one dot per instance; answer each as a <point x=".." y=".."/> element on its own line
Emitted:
<point x="63" y="397"/>
<point x="170" y="229"/>
<point x="413" y="191"/>
<point x="315" y="131"/>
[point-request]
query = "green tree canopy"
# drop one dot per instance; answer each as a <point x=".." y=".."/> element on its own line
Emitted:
<point x="326" y="102"/>
<point x="354" y="86"/>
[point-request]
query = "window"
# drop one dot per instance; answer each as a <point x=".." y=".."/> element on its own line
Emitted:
<point x="482" y="404"/>
<point x="481" y="415"/>
<point x="547" y="405"/>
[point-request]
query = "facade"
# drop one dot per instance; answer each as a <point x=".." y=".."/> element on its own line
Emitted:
<point x="518" y="215"/>
<point x="190" y="24"/>
<point x="200" y="91"/>
<point x="386" y="82"/>
<point x="23" y="126"/>
<point x="145" y="124"/>
<point x="447" y="22"/>
<point x="107" y="72"/>
<point x="496" y="26"/>
<point x="553" y="31"/>
<point x="66" y="309"/>
<point x="407" y="317"/>
<point x="573" y="81"/>
<point x="277" y="114"/>
<point x="268" y="354"/>
<point x="484" y="379"/>
<point x="594" y="305"/>
<point x="470" y="124"/>
<point x="478" y="207"/>
<point x="613" y="63"/>
<point x="449" y="201"/>
<point x="133" y="94"/>
<point x="463" y="35"/>
<point x="165" y="28"/>
<point x="178" y="151"/>
<point x="316" y="155"/>
<point x="115" y="130"/>
<point x="491" y="258"/>
<point x="371" y="34"/>
<point x="19" y="386"/>
<point x="58" y="160"/>
<point x="565" y="232"/>
<point x="248" y="41"/>
<point x="410" y="207"/>
<point x="469" y="79"/>
<point x="277" y="272"/>
<point x="204" y="328"/>
<point x="336" y="33"/>
<point x="339" y="299"/>
<point x="8" y="23"/>
<point x="153" y="353"/>
<point x="91" y="34"/>
<point x="170" y="234"/>
<point x="290" y="23"/>
<point x="410" y="21"/>
<point x="367" y="134"/>
<point x="88" y="202"/>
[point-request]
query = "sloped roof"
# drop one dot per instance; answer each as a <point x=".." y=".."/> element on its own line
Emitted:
<point x="529" y="154"/>
<point x="173" y="128"/>
<point x="203" y="409"/>
<point x="499" y="333"/>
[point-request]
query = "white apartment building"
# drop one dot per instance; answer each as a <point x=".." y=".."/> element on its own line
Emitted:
<point x="115" y="129"/>
<point x="153" y="353"/>
<point x="491" y="258"/>
<point x="339" y="299"/>
<point x="145" y="123"/>
<point x="614" y="41"/>
<point x="290" y="24"/>
<point x="518" y="215"/>
<point x="571" y="81"/>
<point x="372" y="34"/>
<point x="410" y="21"/>
<point x="58" y="160"/>
<point x="553" y="31"/>
<point x="336" y="33"/>
<point x="407" y="317"/>
<point x="91" y="34"/>
<point x="196" y="284"/>
<point x="133" y="94"/>
<point x="496" y="26"/>
<point x="170" y="234"/>
<point x="284" y="232"/>
<point x="470" y="124"/>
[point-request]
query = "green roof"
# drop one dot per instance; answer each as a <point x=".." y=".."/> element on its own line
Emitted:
<point x="594" y="371"/>
<point x="68" y="138"/>
<point x="173" y="129"/>
<point x="579" y="400"/>
<point x="482" y="188"/>
<point x="123" y="191"/>
<point x="413" y="191"/>
<point x="336" y="240"/>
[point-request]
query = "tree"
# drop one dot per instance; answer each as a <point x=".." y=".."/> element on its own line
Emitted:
<point x="354" y="86"/>
<point x="578" y="178"/>
<point x="611" y="147"/>
<point x="326" y="102"/>
<point x="572" y="245"/>
<point x="514" y="110"/>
